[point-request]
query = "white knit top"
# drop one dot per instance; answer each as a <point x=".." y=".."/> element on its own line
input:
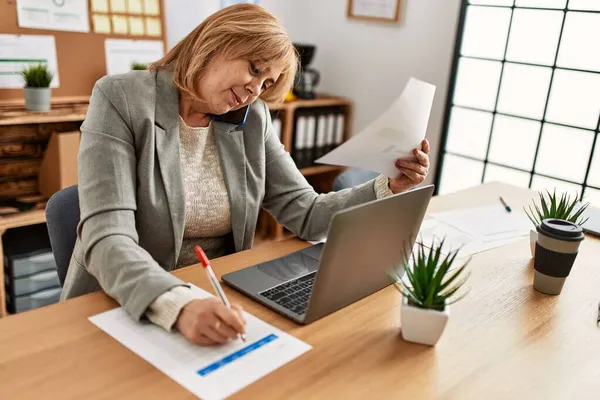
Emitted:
<point x="207" y="207"/>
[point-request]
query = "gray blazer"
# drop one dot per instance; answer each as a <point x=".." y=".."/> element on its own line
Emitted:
<point x="132" y="197"/>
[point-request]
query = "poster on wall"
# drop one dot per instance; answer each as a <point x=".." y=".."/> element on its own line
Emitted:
<point x="374" y="10"/>
<point x="227" y="3"/>
<point x="20" y="51"/>
<point x="59" y="15"/>
<point x="122" y="53"/>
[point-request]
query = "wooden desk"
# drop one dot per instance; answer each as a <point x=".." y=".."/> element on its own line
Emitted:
<point x="503" y="341"/>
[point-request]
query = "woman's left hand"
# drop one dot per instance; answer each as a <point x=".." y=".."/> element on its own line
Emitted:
<point x="412" y="172"/>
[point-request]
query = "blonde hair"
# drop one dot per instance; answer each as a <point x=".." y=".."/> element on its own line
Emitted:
<point x="244" y="31"/>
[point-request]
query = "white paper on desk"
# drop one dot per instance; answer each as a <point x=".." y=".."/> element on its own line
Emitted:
<point x="20" y="51"/>
<point x="434" y="231"/>
<point x="393" y="135"/>
<point x="208" y="372"/>
<point x="66" y="15"/>
<point x="489" y="223"/>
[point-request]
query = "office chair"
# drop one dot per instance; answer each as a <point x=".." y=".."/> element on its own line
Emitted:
<point x="352" y="177"/>
<point x="62" y="217"/>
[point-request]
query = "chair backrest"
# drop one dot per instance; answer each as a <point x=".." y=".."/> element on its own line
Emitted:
<point x="62" y="217"/>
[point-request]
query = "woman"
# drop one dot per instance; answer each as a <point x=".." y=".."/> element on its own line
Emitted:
<point x="158" y="175"/>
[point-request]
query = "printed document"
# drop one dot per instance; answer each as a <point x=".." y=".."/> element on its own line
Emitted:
<point x="393" y="135"/>
<point x="489" y="223"/>
<point x="121" y="53"/>
<point x="208" y="372"/>
<point x="434" y="231"/>
<point x="20" y="51"/>
<point x="57" y="15"/>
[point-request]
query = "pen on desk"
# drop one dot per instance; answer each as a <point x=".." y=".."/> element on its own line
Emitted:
<point x="506" y="206"/>
<point x="214" y="281"/>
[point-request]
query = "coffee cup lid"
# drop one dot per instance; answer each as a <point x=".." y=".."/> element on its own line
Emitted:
<point x="561" y="229"/>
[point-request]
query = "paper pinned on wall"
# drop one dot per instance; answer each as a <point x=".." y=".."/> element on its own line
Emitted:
<point x="19" y="51"/>
<point x="101" y="23"/>
<point x="153" y="27"/>
<point x="134" y="6"/>
<point x="210" y="373"/>
<point x="118" y="6"/>
<point x="100" y="6"/>
<point x="121" y="53"/>
<point x="151" y="7"/>
<point x="391" y="136"/>
<point x="136" y="26"/>
<point x="119" y="24"/>
<point x="69" y="15"/>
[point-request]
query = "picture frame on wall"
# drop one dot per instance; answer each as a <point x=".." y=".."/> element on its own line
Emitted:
<point x="387" y="11"/>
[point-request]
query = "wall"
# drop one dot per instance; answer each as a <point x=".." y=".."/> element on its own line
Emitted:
<point x="366" y="61"/>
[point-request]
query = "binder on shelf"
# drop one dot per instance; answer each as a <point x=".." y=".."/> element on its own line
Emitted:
<point x="299" y="146"/>
<point x="330" y="137"/>
<point x="339" y="128"/>
<point x="311" y="133"/>
<point x="321" y="136"/>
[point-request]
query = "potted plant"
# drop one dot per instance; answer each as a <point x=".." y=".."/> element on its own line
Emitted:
<point x="552" y="207"/>
<point x="136" y="66"/>
<point x="431" y="284"/>
<point x="37" y="87"/>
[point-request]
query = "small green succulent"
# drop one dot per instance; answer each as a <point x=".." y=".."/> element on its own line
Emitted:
<point x="37" y="76"/>
<point x="551" y="206"/>
<point x="431" y="283"/>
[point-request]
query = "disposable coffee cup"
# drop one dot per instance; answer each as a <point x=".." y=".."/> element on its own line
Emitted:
<point x="555" y="252"/>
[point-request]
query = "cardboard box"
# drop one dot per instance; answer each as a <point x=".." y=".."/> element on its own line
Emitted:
<point x="59" y="165"/>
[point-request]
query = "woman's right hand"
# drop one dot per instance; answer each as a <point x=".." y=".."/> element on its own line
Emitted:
<point x="208" y="322"/>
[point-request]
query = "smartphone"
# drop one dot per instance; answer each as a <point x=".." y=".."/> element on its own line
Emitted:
<point x="237" y="117"/>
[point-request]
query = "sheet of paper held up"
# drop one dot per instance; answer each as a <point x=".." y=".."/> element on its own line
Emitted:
<point x="208" y="372"/>
<point x="391" y="136"/>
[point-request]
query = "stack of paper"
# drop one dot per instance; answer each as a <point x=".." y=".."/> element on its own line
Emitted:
<point x="208" y="372"/>
<point x="475" y="229"/>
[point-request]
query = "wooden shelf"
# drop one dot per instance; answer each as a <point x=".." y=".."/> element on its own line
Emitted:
<point x="322" y="100"/>
<point x="320" y="169"/>
<point x="63" y="110"/>
<point x="24" y="218"/>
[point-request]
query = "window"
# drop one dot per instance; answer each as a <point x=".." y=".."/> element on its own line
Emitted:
<point x="524" y="101"/>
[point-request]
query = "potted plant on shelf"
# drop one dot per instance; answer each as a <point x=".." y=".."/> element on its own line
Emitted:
<point x="431" y="284"/>
<point x="37" y="87"/>
<point x="136" y="66"/>
<point x="552" y="207"/>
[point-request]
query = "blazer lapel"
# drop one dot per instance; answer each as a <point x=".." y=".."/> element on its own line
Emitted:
<point x="230" y="144"/>
<point x="167" y="150"/>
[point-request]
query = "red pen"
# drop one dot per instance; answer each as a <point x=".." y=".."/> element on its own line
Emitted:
<point x="214" y="281"/>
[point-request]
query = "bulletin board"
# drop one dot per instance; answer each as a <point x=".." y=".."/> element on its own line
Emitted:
<point x="81" y="55"/>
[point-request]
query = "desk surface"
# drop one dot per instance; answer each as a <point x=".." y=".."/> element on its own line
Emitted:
<point x="504" y="340"/>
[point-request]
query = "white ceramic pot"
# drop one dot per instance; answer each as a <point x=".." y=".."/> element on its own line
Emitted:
<point x="532" y="241"/>
<point x="422" y="326"/>
<point x="37" y="99"/>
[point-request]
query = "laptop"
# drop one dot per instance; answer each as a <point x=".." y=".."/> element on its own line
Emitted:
<point x="363" y="243"/>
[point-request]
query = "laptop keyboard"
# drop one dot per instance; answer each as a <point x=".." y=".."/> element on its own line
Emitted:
<point x="293" y="294"/>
